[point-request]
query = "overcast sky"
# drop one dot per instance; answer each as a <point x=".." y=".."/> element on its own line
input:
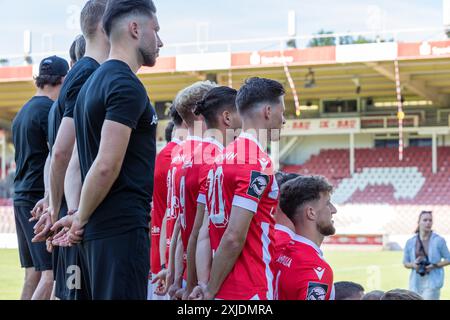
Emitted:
<point x="54" y="23"/>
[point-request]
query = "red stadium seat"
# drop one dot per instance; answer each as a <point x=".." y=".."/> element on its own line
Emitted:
<point x="335" y="165"/>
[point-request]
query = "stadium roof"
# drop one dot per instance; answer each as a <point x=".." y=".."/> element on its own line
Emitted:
<point x="424" y="70"/>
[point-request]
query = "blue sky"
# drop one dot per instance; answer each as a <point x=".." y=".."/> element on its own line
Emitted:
<point x="226" y="19"/>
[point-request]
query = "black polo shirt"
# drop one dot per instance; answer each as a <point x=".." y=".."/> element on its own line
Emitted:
<point x="65" y="104"/>
<point x="30" y="133"/>
<point x="115" y="93"/>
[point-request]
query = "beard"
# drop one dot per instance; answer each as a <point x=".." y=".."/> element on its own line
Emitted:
<point x="326" y="230"/>
<point x="149" y="59"/>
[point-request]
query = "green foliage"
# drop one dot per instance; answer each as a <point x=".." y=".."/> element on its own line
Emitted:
<point x="330" y="41"/>
<point x="322" y="42"/>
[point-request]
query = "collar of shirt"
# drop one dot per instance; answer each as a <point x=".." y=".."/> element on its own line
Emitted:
<point x="177" y="141"/>
<point x="194" y="138"/>
<point x="304" y="240"/>
<point x="214" y="141"/>
<point x="248" y="136"/>
<point x="285" y="229"/>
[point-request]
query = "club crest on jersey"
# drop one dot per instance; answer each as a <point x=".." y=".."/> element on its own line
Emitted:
<point x="258" y="184"/>
<point x="316" y="291"/>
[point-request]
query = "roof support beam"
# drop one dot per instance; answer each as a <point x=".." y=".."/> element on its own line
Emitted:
<point x="419" y="87"/>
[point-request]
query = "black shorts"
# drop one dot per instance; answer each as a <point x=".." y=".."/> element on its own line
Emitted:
<point x="55" y="262"/>
<point x="58" y="275"/>
<point x="118" y="266"/>
<point x="72" y="284"/>
<point x="32" y="255"/>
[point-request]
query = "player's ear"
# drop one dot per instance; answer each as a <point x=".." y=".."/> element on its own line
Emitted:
<point x="310" y="213"/>
<point x="133" y="28"/>
<point x="226" y="116"/>
<point x="267" y="111"/>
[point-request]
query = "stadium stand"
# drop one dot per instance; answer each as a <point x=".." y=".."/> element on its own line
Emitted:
<point x="381" y="178"/>
<point x="384" y="194"/>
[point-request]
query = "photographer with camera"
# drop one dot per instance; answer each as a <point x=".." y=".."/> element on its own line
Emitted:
<point x="426" y="254"/>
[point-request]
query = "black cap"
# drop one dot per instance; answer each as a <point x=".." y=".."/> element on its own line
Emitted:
<point x="53" y="66"/>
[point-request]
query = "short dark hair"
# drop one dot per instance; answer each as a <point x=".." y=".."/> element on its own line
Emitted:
<point x="78" y="48"/>
<point x="295" y="193"/>
<point x="44" y="80"/>
<point x="169" y="131"/>
<point x="175" y="116"/>
<point x="214" y="102"/>
<point x="283" y="177"/>
<point x="119" y="8"/>
<point x="373" y="295"/>
<point x="346" y="290"/>
<point x="401" y="294"/>
<point x="91" y="16"/>
<point x="258" y="90"/>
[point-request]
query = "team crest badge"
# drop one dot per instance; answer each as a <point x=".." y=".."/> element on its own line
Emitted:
<point x="316" y="291"/>
<point x="258" y="184"/>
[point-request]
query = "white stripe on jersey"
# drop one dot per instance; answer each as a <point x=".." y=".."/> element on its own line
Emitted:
<point x="267" y="258"/>
<point x="201" y="198"/>
<point x="333" y="294"/>
<point x="277" y="285"/>
<point x="245" y="203"/>
<point x="273" y="194"/>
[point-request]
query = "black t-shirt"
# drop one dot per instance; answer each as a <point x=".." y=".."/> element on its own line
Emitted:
<point x="30" y="133"/>
<point x="65" y="104"/>
<point x="115" y="93"/>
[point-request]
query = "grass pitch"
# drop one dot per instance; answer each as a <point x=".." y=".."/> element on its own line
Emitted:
<point x="373" y="270"/>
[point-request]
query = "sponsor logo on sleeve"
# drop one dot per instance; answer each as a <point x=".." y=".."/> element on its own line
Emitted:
<point x="154" y="120"/>
<point x="316" y="291"/>
<point x="319" y="272"/>
<point x="263" y="163"/>
<point x="258" y="184"/>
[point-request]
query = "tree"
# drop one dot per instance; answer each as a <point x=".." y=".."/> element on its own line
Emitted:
<point x="361" y="40"/>
<point x="331" y="41"/>
<point x="322" y="42"/>
<point x="292" y="44"/>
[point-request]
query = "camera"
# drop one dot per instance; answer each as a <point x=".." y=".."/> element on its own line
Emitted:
<point x="423" y="267"/>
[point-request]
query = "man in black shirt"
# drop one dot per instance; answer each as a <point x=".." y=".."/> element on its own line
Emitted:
<point x="30" y="134"/>
<point x="115" y="129"/>
<point x="63" y="180"/>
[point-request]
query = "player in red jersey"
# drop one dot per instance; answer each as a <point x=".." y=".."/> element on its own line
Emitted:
<point x="284" y="228"/>
<point x="242" y="200"/>
<point x="218" y="108"/>
<point x="303" y="273"/>
<point x="162" y="164"/>
<point x="184" y="103"/>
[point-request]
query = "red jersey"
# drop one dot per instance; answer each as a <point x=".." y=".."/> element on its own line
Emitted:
<point x="162" y="166"/>
<point x="210" y="152"/>
<point x="303" y="273"/>
<point x="243" y="176"/>
<point x="195" y="173"/>
<point x="176" y="183"/>
<point x="283" y="236"/>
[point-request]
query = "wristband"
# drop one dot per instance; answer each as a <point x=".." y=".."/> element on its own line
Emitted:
<point x="163" y="266"/>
